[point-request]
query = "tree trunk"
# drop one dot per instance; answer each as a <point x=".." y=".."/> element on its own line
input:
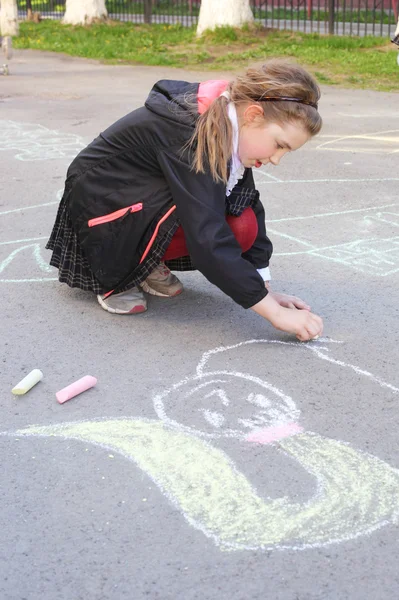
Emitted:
<point x="9" y="18"/>
<point x="223" y="12"/>
<point x="147" y="11"/>
<point x="84" y="12"/>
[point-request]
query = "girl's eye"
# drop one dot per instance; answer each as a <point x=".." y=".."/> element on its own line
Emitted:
<point x="279" y="146"/>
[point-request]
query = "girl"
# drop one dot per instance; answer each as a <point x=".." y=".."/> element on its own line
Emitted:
<point x="170" y="186"/>
<point x="395" y="39"/>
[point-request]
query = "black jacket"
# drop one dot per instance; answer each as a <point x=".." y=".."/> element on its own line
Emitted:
<point x="138" y="162"/>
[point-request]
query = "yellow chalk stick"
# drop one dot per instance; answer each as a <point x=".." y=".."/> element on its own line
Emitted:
<point x="27" y="382"/>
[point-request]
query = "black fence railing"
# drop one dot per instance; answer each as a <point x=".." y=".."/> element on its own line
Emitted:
<point x="340" y="17"/>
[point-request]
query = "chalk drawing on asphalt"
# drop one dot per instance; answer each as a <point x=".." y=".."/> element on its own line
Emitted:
<point x="355" y="493"/>
<point x="265" y="178"/>
<point x="380" y="142"/>
<point x="381" y="114"/>
<point x="27" y="255"/>
<point x="22" y="209"/>
<point x="35" y="142"/>
<point x="378" y="257"/>
<point x="30" y="256"/>
<point x="375" y="252"/>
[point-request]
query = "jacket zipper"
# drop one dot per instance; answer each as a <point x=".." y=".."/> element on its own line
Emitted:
<point x="150" y="243"/>
<point x="154" y="235"/>
<point x="115" y="215"/>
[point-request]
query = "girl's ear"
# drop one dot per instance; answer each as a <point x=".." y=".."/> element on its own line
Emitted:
<point x="252" y="113"/>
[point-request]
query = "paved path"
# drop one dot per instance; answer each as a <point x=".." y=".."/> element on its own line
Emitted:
<point x="216" y="458"/>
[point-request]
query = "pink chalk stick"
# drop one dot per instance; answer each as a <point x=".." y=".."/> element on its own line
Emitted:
<point x="268" y="435"/>
<point x="77" y="387"/>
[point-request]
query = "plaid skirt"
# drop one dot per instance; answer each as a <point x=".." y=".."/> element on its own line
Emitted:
<point x="68" y="256"/>
<point x="74" y="269"/>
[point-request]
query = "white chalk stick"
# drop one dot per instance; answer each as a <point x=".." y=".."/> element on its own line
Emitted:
<point x="27" y="382"/>
<point x="77" y="387"/>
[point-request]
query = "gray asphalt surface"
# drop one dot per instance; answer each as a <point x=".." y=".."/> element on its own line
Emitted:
<point x="187" y="509"/>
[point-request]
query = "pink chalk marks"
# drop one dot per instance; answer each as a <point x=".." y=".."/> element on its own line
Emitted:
<point x="77" y="387"/>
<point x="268" y="435"/>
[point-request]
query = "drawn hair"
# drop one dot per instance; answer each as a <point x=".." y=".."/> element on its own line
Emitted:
<point x="213" y="137"/>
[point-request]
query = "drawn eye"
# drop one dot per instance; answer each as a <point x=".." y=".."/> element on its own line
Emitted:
<point x="213" y="418"/>
<point x="259" y="400"/>
<point x="221" y="394"/>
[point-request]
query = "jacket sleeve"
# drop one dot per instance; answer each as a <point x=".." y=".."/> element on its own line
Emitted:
<point x="260" y="252"/>
<point x="200" y="207"/>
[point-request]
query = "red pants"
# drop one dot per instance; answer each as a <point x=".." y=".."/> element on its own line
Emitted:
<point x="245" y="229"/>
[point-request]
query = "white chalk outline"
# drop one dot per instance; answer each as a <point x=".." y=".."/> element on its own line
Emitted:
<point x="374" y="136"/>
<point x="36" y="253"/>
<point x="223" y="544"/>
<point x="331" y="214"/>
<point x="36" y="142"/>
<point x="356" y="180"/>
<point x="352" y="260"/>
<point x="16" y="210"/>
<point x="43" y="266"/>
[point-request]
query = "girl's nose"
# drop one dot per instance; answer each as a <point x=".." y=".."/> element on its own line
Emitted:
<point x="275" y="159"/>
<point x="277" y="156"/>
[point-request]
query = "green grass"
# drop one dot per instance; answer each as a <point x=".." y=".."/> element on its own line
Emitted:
<point x="367" y="62"/>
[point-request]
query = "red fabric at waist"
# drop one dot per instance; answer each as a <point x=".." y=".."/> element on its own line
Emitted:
<point x="244" y="228"/>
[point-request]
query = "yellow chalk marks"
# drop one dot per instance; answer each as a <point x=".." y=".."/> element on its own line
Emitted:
<point x="356" y="493"/>
<point x="378" y="142"/>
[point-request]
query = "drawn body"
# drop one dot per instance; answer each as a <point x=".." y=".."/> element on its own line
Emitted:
<point x="355" y="493"/>
<point x="36" y="142"/>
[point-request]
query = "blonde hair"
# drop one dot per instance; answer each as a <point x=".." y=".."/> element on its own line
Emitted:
<point x="212" y="141"/>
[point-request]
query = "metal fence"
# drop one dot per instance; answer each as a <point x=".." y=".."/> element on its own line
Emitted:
<point x="340" y="17"/>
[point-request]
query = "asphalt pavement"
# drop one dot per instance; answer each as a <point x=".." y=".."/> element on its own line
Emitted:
<point x="216" y="458"/>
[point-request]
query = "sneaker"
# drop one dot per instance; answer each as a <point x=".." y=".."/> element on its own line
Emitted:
<point x="161" y="282"/>
<point x="126" y="303"/>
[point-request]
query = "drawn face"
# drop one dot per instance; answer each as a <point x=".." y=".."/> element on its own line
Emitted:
<point x="225" y="405"/>
<point x="261" y="144"/>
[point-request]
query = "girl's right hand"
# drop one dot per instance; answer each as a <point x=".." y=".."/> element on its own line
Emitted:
<point x="302" y="323"/>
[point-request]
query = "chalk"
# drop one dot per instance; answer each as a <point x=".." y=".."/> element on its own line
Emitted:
<point x="27" y="382"/>
<point x="77" y="387"/>
<point x="316" y="337"/>
<point x="268" y="435"/>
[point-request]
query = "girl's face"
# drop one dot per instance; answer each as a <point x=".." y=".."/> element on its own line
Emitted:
<point x="261" y="143"/>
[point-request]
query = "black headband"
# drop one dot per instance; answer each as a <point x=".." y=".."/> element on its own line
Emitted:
<point x="286" y="98"/>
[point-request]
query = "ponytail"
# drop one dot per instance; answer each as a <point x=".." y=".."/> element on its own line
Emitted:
<point x="213" y="139"/>
<point x="295" y="93"/>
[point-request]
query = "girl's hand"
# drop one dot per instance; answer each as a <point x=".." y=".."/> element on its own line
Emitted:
<point x="286" y="300"/>
<point x="289" y="301"/>
<point x="302" y="323"/>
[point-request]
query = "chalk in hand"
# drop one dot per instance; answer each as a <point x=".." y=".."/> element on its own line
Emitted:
<point x="79" y="386"/>
<point x="27" y="382"/>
